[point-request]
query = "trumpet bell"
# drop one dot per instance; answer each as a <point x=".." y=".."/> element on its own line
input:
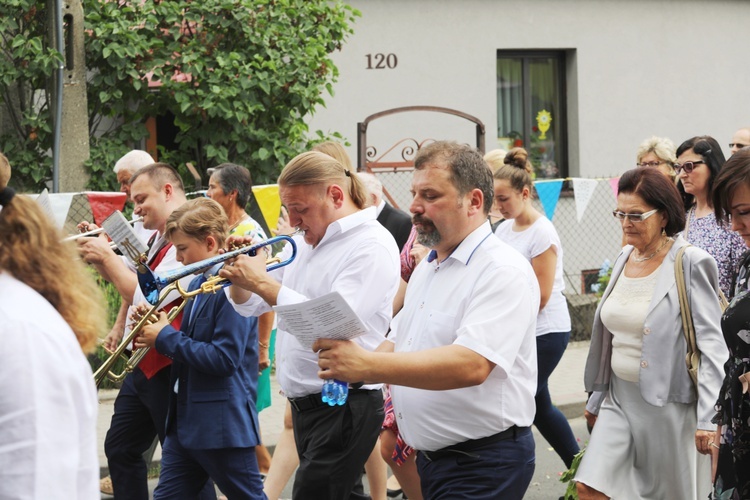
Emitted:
<point x="151" y="283"/>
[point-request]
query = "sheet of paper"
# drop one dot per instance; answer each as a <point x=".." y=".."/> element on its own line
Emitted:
<point x="327" y="317"/>
<point x="121" y="232"/>
<point x="44" y="202"/>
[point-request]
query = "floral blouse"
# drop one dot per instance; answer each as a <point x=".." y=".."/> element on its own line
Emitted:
<point x="723" y="244"/>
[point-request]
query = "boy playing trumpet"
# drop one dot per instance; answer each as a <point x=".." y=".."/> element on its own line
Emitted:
<point x="212" y="423"/>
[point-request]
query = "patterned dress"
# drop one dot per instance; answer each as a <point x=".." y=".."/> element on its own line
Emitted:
<point x="721" y="243"/>
<point x="733" y="406"/>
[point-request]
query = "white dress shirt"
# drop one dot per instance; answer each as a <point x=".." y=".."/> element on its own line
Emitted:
<point x="48" y="404"/>
<point x="484" y="297"/>
<point x="356" y="257"/>
<point x="167" y="264"/>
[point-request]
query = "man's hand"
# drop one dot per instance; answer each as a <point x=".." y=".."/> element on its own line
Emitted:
<point x="95" y="250"/>
<point x="341" y="359"/>
<point x="246" y="272"/>
<point x="113" y="338"/>
<point x="147" y="337"/>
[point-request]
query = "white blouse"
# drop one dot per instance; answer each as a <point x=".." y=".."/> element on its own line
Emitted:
<point x="48" y="403"/>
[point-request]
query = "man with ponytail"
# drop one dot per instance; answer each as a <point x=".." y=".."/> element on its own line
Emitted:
<point x="343" y="249"/>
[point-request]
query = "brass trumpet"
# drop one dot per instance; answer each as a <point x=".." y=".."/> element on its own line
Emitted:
<point x="105" y="370"/>
<point x="163" y="285"/>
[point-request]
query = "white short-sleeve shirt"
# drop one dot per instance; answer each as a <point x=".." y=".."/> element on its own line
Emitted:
<point x="48" y="404"/>
<point x="485" y="297"/>
<point x="358" y="258"/>
<point x="532" y="242"/>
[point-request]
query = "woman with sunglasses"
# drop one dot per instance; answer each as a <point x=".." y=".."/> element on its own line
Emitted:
<point x="731" y="446"/>
<point x="652" y="432"/>
<point x="699" y="161"/>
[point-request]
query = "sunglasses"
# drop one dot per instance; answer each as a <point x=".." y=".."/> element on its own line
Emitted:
<point x="634" y="217"/>
<point x="688" y="166"/>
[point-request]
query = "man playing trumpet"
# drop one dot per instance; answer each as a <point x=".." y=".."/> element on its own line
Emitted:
<point x="344" y="249"/>
<point x="141" y="405"/>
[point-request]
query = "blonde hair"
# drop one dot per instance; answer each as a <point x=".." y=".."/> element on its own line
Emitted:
<point x="31" y="250"/>
<point x="516" y="170"/>
<point x="198" y="219"/>
<point x="663" y="148"/>
<point x="335" y="151"/>
<point x="316" y="168"/>
<point x="495" y="159"/>
<point x="4" y="171"/>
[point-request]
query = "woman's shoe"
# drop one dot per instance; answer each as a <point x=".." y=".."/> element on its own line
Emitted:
<point x="394" y="493"/>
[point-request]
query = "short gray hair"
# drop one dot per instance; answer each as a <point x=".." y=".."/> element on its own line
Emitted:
<point x="133" y="161"/>
<point x="372" y="183"/>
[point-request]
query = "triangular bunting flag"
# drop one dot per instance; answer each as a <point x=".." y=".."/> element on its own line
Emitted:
<point x="549" y="193"/>
<point x="613" y="183"/>
<point x="60" y="203"/>
<point x="104" y="203"/>
<point x="583" y="189"/>
<point x="269" y="202"/>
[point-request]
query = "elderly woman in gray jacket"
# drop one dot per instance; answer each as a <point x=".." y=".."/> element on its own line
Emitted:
<point x="653" y="434"/>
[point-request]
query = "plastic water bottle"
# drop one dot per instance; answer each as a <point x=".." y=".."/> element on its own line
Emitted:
<point x="334" y="392"/>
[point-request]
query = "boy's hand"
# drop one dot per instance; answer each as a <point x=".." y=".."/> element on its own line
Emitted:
<point x="147" y="337"/>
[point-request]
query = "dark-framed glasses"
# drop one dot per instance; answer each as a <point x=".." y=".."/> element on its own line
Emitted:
<point x="652" y="164"/>
<point x="688" y="166"/>
<point x="634" y="217"/>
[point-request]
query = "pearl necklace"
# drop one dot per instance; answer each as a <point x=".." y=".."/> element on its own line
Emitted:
<point x="644" y="259"/>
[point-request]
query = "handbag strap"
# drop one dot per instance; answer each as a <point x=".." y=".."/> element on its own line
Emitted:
<point x="688" y="328"/>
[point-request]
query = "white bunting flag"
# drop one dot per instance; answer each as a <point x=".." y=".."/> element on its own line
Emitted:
<point x="583" y="190"/>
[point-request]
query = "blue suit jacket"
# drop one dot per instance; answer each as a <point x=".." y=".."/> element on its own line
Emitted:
<point x="215" y="359"/>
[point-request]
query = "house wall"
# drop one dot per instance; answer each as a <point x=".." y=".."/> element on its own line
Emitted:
<point x="635" y="68"/>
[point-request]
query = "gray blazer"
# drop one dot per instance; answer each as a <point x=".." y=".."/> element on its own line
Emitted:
<point x="663" y="375"/>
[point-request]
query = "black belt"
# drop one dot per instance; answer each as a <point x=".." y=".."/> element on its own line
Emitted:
<point x="467" y="447"/>
<point x="306" y="403"/>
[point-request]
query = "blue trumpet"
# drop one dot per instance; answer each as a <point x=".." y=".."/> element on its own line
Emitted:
<point x="151" y="284"/>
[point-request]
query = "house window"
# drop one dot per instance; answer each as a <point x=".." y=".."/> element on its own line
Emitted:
<point x="531" y="108"/>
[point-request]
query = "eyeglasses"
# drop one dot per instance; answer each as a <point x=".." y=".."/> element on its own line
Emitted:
<point x="737" y="145"/>
<point x="634" y="217"/>
<point x="652" y="164"/>
<point x="688" y="166"/>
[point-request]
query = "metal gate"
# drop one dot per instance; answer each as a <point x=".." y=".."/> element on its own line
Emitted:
<point x="394" y="166"/>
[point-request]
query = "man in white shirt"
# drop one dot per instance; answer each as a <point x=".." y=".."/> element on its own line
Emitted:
<point x="397" y="222"/>
<point x="142" y="402"/>
<point x="344" y="249"/>
<point x="461" y="356"/>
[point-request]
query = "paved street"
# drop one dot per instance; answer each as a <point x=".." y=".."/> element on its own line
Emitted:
<point x="566" y="388"/>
